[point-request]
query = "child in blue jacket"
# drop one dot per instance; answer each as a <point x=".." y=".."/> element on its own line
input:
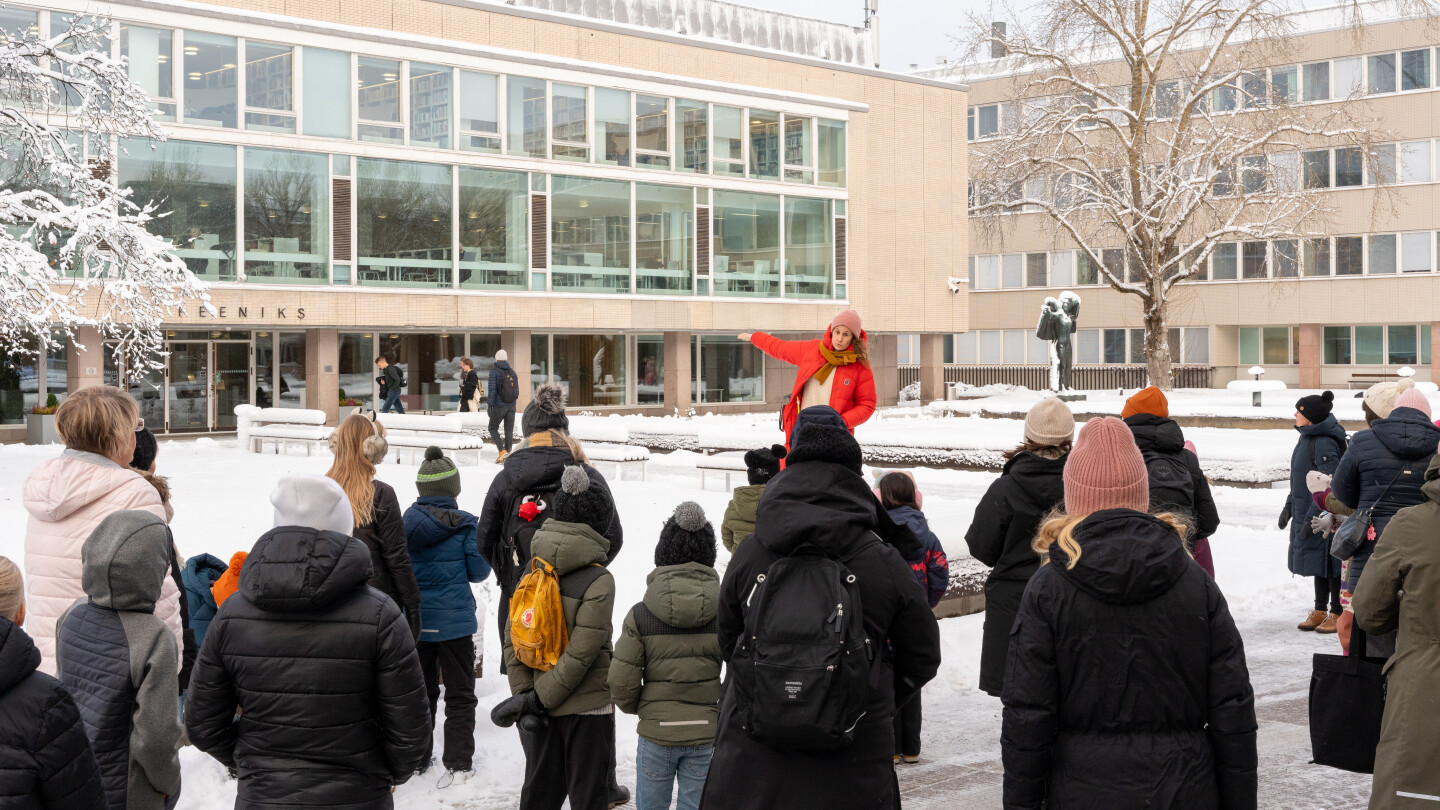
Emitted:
<point x="443" y="551"/>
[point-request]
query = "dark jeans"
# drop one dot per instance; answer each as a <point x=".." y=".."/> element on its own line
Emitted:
<point x="1327" y="588"/>
<point x="907" y="728"/>
<point x="454" y="661"/>
<point x="392" y="403"/>
<point x="569" y="758"/>
<point x="506" y="440"/>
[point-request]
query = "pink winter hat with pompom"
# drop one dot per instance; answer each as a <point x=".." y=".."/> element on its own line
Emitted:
<point x="1412" y="398"/>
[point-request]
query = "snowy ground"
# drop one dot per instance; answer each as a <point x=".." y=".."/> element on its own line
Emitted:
<point x="221" y="505"/>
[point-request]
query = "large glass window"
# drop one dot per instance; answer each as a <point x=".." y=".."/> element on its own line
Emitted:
<point x="150" y="62"/>
<point x="1415" y="70"/>
<point x="210" y="80"/>
<point x="1415" y="162"/>
<point x="799" y="158"/>
<point x="1035" y="275"/>
<point x="269" y="79"/>
<point x="1087" y="346"/>
<point x="652" y="131"/>
<point x="1382" y="254"/>
<point x="1403" y="346"/>
<point x="650" y="369"/>
<point x="1012" y="268"/>
<point x="527" y="133"/>
<point x="327" y="93"/>
<point x="194" y="184"/>
<point x="809" y="248"/>
<point x="764" y="145"/>
<point x="1086" y="272"/>
<point x="664" y="238"/>
<point x="1349" y="167"/>
<point x="589" y="234"/>
<point x="1316" y="169"/>
<point x="494" y="229"/>
<point x="1277" y="345"/>
<point x="431" y="363"/>
<point x="1317" y="257"/>
<point x="1370" y="345"/>
<point x="1249" y="346"/>
<point x="693" y="136"/>
<point x="830" y="144"/>
<point x="1254" y="264"/>
<point x="539" y="361"/>
<point x="357" y="369"/>
<point x="612" y="127"/>
<point x="287" y="201"/>
<point x="1137" y="346"/>
<point x="402" y="223"/>
<point x="1346" y="75"/>
<point x="1337" y="345"/>
<point x="1197" y="345"/>
<point x="1382" y="167"/>
<point x="569" y="122"/>
<point x="729" y="370"/>
<point x="746" y="244"/>
<point x="479" y="112"/>
<point x="290" y="370"/>
<point x="729" y="141"/>
<point x="432" y="105"/>
<point x="19" y="381"/>
<point x="1415" y="252"/>
<point x="591" y="369"/>
<point x="1382" y="73"/>
<point x="1349" y="255"/>
<point x="1317" y="81"/>
<point x="1223" y="262"/>
<point x="1113" y="345"/>
<point x="1287" y="258"/>
<point x="379" y="100"/>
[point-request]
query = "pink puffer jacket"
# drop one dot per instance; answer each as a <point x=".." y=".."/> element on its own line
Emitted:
<point x="67" y="497"/>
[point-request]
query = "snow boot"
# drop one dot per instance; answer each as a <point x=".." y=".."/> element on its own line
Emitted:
<point x="910" y="759"/>
<point x="1314" y="620"/>
<point x="1328" y="626"/>
<point x="619" y="795"/>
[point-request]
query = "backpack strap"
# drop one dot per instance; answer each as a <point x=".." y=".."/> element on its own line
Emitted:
<point x="648" y="624"/>
<point x="574" y="584"/>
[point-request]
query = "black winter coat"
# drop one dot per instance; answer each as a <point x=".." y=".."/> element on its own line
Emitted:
<point x="1000" y="536"/>
<point x="1155" y="434"/>
<point x="829" y="506"/>
<point x="45" y="758"/>
<point x="1126" y="685"/>
<point x="1319" y="449"/>
<point x="333" y="711"/>
<point x="391" y="571"/>
<point x="1398" y="449"/>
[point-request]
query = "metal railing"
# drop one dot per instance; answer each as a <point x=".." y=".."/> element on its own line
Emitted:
<point x="1085" y="378"/>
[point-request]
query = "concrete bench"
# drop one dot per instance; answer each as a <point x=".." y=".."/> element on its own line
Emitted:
<point x="618" y="454"/>
<point x="415" y="432"/>
<point x="283" y="427"/>
<point x="726" y="464"/>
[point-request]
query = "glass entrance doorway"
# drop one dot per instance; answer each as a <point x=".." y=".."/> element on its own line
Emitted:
<point x="198" y="389"/>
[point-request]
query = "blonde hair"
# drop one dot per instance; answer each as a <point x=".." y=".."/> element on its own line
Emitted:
<point x="352" y="469"/>
<point x="554" y="437"/>
<point x="1059" y="528"/>
<point x="97" y="419"/>
<point x="12" y="589"/>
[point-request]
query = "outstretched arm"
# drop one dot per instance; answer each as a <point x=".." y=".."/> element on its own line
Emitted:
<point x="790" y="351"/>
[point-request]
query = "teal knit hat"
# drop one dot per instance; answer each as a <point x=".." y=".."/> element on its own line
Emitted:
<point x="438" y="476"/>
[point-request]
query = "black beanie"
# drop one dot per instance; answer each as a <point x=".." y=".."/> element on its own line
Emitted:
<point x="577" y="501"/>
<point x="763" y="464"/>
<point x="145" y="449"/>
<point x="1316" y="406"/>
<point x="819" y="442"/>
<point x="686" y="537"/>
<point x="546" y="411"/>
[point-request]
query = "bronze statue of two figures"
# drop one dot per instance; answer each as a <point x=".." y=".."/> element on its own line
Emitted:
<point x="1058" y="317"/>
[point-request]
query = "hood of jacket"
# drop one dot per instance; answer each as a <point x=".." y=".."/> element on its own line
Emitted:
<point x="1431" y="487"/>
<point x="747" y="499"/>
<point x="205" y="569"/>
<point x="914" y="520"/>
<point x="537" y="468"/>
<point x="1407" y="434"/>
<point x="1029" y="465"/>
<point x="819" y="503"/>
<point x="1325" y="427"/>
<point x="503" y="365"/>
<point x="18" y="656"/>
<point x="1126" y="557"/>
<point x="295" y="569"/>
<point x="683" y="595"/>
<point x="568" y="546"/>
<point x="435" y="519"/>
<point x="123" y="562"/>
<point x="1156" y="433"/>
<point x="64" y="485"/>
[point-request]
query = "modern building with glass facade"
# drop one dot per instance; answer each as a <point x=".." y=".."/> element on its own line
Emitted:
<point x="608" y="201"/>
<point x="1358" y="297"/>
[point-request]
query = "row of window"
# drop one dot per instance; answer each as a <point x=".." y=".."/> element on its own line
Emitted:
<point x="442" y="226"/>
<point x="1398" y="345"/>
<point x="202" y="79"/>
<point x="1013" y="347"/>
<point x="1331" y="79"/>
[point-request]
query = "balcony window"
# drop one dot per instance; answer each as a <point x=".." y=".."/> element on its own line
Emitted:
<point x="692" y="135"/>
<point x="494" y="229"/>
<point x="403" y="223"/>
<point x="664" y="239"/>
<point x="327" y="93"/>
<point x="378" y="100"/>
<point x="211" y="77"/>
<point x="479" y="113"/>
<point x="612" y="127"/>
<point x="269" y="79"/>
<point x="589" y="235"/>
<point x="528" y="135"/>
<point x="728" y="140"/>
<point x="432" y="105"/>
<point x="746" y="244"/>
<point x="287" y="223"/>
<point x="809" y="248"/>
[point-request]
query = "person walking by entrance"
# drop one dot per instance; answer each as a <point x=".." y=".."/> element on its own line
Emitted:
<point x="502" y="389"/>
<point x="469" y="386"/>
<point x="392" y="382"/>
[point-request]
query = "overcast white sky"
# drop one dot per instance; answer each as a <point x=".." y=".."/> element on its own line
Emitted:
<point x="911" y="31"/>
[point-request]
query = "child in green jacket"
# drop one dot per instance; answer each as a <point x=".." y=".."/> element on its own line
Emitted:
<point x="739" y="523"/>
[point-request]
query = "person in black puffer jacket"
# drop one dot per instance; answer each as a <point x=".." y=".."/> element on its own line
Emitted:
<point x="1126" y="683"/>
<point x="46" y="762"/>
<point x="331" y="703"/>
<point x="1177" y="484"/>
<point x="820" y="499"/>
<point x="1004" y="527"/>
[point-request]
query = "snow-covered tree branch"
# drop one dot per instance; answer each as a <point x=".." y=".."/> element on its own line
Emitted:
<point x="1150" y="132"/>
<point x="74" y="250"/>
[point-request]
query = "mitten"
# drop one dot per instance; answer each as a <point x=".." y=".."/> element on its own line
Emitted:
<point x="1285" y="515"/>
<point x="507" y="711"/>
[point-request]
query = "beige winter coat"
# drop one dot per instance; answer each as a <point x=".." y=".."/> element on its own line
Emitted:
<point x="67" y="497"/>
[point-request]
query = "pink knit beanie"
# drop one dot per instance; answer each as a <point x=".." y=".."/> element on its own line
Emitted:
<point x="850" y="319"/>
<point x="1105" y="470"/>
<point x="1412" y="398"/>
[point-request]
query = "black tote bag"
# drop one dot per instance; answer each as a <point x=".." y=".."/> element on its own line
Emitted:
<point x="1347" y="703"/>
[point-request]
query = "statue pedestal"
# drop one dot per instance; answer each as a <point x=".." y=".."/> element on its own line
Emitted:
<point x="1071" y="397"/>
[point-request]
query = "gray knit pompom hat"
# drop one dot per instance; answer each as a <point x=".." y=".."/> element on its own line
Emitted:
<point x="686" y="537"/>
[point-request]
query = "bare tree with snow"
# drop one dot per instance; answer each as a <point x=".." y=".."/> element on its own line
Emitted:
<point x="74" y="250"/>
<point x="1149" y="132"/>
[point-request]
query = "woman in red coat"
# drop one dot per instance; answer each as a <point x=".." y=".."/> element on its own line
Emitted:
<point x="833" y="370"/>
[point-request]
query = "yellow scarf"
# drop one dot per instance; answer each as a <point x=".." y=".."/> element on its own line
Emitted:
<point x="833" y="359"/>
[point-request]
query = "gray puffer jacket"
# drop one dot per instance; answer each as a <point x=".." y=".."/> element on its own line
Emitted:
<point x="119" y="661"/>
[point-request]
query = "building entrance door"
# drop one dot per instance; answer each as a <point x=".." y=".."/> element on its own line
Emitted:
<point x="231" y="382"/>
<point x="197" y="389"/>
<point x="187" y="387"/>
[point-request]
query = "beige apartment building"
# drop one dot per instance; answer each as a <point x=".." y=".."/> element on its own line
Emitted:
<point x="608" y="198"/>
<point x="1360" y="296"/>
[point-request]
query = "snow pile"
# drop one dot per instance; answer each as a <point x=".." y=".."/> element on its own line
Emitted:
<point x="910" y="393"/>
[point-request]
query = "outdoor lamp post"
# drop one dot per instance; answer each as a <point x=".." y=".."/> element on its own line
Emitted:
<point x="1255" y="395"/>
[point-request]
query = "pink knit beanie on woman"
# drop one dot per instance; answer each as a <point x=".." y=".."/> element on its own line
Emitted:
<point x="1105" y="470"/>
<point x="850" y="319"/>
<point x="1413" y="398"/>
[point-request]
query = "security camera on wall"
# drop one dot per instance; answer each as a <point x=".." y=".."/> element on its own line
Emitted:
<point x="956" y="284"/>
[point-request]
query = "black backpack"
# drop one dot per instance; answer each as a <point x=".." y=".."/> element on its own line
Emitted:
<point x="509" y="386"/>
<point x="802" y="667"/>
<point x="1172" y="488"/>
<point x="400" y="372"/>
<point x="512" y="554"/>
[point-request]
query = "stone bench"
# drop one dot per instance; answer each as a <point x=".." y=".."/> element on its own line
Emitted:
<point x="726" y="464"/>
<point x="283" y="427"/>
<point x="415" y="432"/>
<point x="620" y="455"/>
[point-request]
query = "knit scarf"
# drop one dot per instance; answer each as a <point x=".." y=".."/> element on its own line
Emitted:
<point x="833" y="359"/>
